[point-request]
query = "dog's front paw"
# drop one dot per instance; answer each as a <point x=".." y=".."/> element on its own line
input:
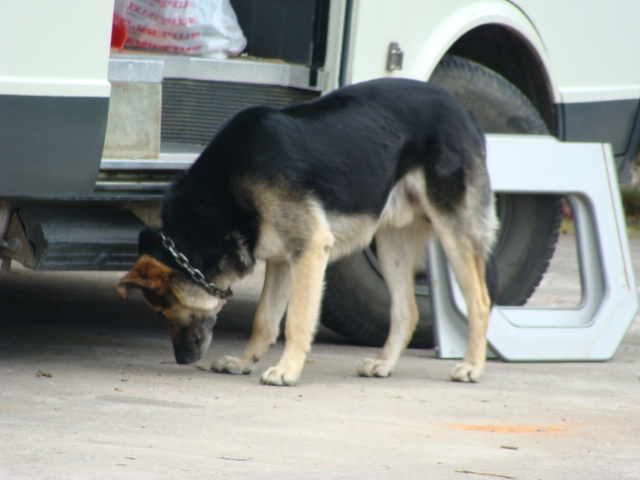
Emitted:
<point x="466" y="372"/>
<point x="233" y="365"/>
<point x="279" y="377"/>
<point x="374" y="367"/>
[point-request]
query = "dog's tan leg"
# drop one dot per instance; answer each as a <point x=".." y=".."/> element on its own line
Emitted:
<point x="273" y="302"/>
<point x="308" y="271"/>
<point x="469" y="269"/>
<point x="398" y="251"/>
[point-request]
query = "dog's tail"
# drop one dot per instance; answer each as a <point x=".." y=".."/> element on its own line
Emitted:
<point x="491" y="277"/>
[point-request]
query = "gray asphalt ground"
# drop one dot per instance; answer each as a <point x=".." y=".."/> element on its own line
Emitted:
<point x="89" y="390"/>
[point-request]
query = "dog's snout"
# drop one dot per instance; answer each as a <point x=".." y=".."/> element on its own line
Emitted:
<point x="186" y="357"/>
<point x="192" y="341"/>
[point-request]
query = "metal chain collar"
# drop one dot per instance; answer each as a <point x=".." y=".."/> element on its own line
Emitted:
<point x="196" y="275"/>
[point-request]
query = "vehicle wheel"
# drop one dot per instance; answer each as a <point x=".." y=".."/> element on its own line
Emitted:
<point x="356" y="302"/>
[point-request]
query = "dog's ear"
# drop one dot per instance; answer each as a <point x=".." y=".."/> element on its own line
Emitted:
<point x="147" y="274"/>
<point x="159" y="285"/>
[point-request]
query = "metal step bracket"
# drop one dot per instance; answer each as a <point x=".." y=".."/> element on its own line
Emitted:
<point x="585" y="174"/>
<point x="74" y="238"/>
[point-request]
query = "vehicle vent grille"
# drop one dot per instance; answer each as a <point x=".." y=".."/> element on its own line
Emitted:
<point x="193" y="110"/>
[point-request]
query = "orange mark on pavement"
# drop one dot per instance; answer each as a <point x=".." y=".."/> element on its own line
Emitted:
<point x="514" y="428"/>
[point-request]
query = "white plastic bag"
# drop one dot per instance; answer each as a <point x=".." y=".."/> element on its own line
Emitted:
<point x="192" y="27"/>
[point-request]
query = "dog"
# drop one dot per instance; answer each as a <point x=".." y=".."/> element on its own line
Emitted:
<point x="301" y="186"/>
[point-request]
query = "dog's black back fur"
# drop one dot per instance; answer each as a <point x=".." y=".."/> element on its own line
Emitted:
<point x="374" y="131"/>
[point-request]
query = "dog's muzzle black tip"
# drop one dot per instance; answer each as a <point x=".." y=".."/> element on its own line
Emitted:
<point x="186" y="358"/>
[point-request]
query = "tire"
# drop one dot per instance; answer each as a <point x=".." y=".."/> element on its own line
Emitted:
<point x="356" y="303"/>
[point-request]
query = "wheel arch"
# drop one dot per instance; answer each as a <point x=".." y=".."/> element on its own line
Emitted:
<point x="508" y="53"/>
<point x="499" y="36"/>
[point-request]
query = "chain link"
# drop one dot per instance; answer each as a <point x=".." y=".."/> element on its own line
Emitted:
<point x="196" y="275"/>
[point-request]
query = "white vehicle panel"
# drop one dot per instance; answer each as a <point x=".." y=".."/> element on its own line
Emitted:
<point x="425" y="31"/>
<point x="594" y="47"/>
<point x="71" y="62"/>
<point x="585" y="46"/>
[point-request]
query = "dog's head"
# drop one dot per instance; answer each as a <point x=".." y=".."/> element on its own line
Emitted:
<point x="190" y="311"/>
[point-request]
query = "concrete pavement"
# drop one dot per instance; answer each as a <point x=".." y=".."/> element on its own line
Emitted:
<point x="89" y="390"/>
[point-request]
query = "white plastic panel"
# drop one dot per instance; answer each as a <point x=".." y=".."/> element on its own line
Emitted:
<point x="593" y="330"/>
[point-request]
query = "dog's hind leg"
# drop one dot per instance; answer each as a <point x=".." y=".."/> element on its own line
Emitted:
<point x="308" y="269"/>
<point x="273" y="303"/>
<point x="469" y="267"/>
<point x="398" y="250"/>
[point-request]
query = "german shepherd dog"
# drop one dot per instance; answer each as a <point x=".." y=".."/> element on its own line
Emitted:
<point x="304" y="185"/>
